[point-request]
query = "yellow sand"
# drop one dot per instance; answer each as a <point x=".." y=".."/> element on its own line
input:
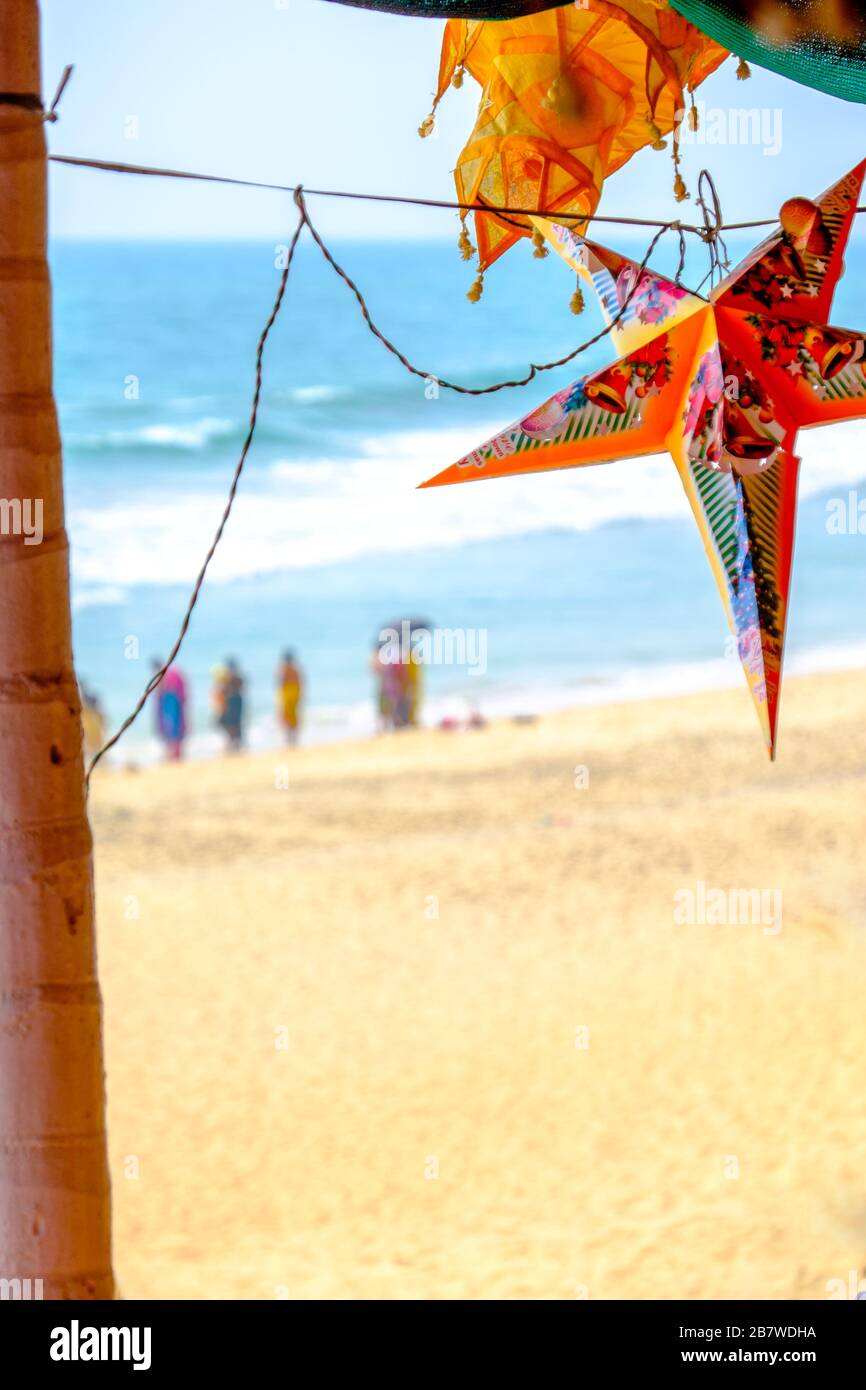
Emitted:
<point x="709" y="1142"/>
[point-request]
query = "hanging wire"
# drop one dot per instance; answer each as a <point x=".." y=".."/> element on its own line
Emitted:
<point x="713" y="225"/>
<point x="113" y="167"/>
<point x="534" y="367"/>
<point x="52" y="114"/>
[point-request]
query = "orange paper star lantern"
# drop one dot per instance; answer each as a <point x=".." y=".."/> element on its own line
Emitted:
<point x="724" y="384"/>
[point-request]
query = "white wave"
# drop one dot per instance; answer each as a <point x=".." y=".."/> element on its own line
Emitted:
<point x="832" y="457"/>
<point x="315" y="395"/>
<point x="105" y="596"/>
<point x="310" y="512"/>
<point x="297" y="471"/>
<point x="192" y="436"/>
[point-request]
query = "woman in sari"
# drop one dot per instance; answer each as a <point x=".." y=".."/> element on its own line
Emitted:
<point x="290" y="688"/>
<point x="171" y="711"/>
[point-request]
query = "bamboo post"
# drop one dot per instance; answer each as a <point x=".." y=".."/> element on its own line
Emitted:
<point x="54" y="1190"/>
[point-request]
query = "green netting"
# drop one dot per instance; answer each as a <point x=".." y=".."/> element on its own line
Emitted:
<point x="456" y="9"/>
<point x="813" y="53"/>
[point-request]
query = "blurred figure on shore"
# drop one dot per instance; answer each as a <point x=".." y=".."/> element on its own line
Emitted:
<point x="92" y="722"/>
<point x="217" y="700"/>
<point x="171" y="699"/>
<point x="388" y="687"/>
<point x="412" y="682"/>
<point x="398" y="677"/>
<point x="231" y="698"/>
<point x="290" y="692"/>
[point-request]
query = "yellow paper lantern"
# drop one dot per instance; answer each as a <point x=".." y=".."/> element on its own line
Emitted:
<point x="568" y="96"/>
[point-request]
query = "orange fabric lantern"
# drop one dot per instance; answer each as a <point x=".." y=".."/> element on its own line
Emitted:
<point x="568" y="96"/>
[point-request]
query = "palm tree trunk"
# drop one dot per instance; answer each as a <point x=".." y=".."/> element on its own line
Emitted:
<point x="54" y="1192"/>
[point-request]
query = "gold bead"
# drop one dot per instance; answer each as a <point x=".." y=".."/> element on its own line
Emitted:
<point x="467" y="250"/>
<point x="655" y="135"/>
<point x="476" y="289"/>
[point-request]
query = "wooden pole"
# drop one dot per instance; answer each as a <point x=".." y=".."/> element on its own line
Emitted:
<point x="54" y="1190"/>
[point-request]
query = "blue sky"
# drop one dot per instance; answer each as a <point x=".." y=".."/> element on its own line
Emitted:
<point x="303" y="90"/>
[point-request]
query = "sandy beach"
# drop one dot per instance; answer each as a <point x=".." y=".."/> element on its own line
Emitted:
<point x="413" y="1018"/>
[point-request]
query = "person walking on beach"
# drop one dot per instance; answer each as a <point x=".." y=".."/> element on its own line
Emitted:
<point x="92" y="722"/>
<point x="171" y="698"/>
<point x="412" y="682"/>
<point x="290" y="690"/>
<point x="388" y="682"/>
<point x="231" y="718"/>
<point x="398" y="691"/>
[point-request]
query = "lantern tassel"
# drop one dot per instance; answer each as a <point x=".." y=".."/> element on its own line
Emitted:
<point x="657" y="142"/>
<point x="476" y="289"/>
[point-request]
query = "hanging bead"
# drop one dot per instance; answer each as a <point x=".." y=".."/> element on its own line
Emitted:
<point x="457" y="79"/>
<point x="655" y="134"/>
<point x="467" y="250"/>
<point x="576" y="303"/>
<point x="427" y="125"/>
<point x="681" y="193"/>
<point x="476" y="289"/>
<point x="539" y="247"/>
<point x="694" y="117"/>
<point x="743" y="71"/>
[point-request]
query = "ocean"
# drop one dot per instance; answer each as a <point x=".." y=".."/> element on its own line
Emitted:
<point x="587" y="584"/>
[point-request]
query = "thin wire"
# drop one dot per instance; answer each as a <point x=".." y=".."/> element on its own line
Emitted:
<point x="534" y="368"/>
<point x="193" y="599"/>
<point x="681" y="266"/>
<point x="111" y="166"/>
<point x="51" y="113"/>
<point x="713" y="226"/>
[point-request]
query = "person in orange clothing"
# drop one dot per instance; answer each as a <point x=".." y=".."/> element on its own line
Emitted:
<point x="290" y="692"/>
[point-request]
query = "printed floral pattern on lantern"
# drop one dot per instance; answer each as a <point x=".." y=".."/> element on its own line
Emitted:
<point x="614" y="392"/>
<point x="654" y="300"/>
<point x="702" y="422"/>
